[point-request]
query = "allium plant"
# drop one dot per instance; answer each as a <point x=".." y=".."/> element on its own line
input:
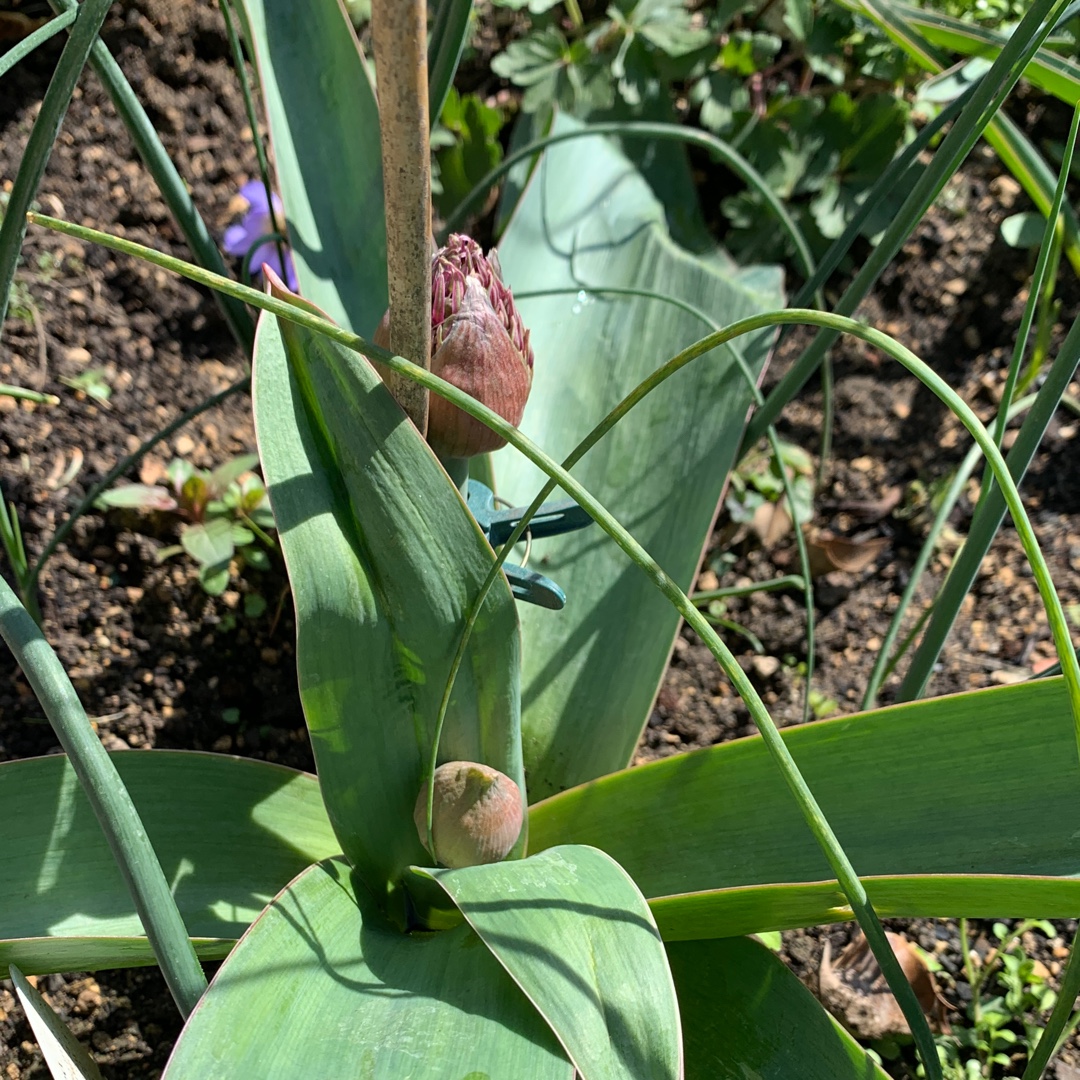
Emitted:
<point x="605" y="944"/>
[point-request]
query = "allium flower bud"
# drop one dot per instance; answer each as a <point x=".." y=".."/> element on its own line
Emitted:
<point x="478" y="343"/>
<point x="476" y="814"/>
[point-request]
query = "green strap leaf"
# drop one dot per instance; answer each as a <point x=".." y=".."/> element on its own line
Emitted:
<point x="1057" y="75"/>
<point x="575" y="934"/>
<point x="360" y="999"/>
<point x="324" y="126"/>
<point x="746" y="1015"/>
<point x="384" y="561"/>
<point x="228" y="832"/>
<point x="751" y="909"/>
<point x="63" y="1053"/>
<point x="721" y="819"/>
<point x="586" y="221"/>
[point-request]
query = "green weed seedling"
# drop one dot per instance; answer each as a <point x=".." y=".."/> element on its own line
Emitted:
<point x="758" y="481"/>
<point x="93" y="383"/>
<point x="223" y="511"/>
<point x="1011" y="997"/>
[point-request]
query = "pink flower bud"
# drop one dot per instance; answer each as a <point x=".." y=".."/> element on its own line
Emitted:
<point x="476" y="814"/>
<point x="478" y="343"/>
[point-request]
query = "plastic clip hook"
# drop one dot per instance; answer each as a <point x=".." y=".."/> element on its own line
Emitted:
<point x="551" y="519"/>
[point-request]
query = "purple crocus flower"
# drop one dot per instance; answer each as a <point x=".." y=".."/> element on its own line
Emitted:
<point x="257" y="222"/>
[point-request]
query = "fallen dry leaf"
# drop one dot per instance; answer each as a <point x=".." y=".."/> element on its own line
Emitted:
<point x="771" y="523"/>
<point x="854" y="990"/>
<point x="829" y="552"/>
<point x="869" y="509"/>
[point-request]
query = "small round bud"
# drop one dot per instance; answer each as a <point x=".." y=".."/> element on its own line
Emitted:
<point x="476" y="814"/>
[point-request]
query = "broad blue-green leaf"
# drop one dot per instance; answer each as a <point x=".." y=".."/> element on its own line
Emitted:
<point x="66" y="1057"/>
<point x="576" y="935"/>
<point x="746" y="1016"/>
<point x="384" y="562"/>
<point x="888" y="782"/>
<point x="320" y="986"/>
<point x="324" y="126"/>
<point x="229" y="834"/>
<point x="588" y="220"/>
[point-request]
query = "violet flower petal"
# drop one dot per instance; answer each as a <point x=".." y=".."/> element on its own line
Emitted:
<point x="237" y="239"/>
<point x="255" y="193"/>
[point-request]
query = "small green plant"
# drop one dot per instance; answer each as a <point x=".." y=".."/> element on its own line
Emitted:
<point x="808" y="95"/>
<point x="1010" y="997"/>
<point x="988" y="12"/>
<point x="94" y="383"/>
<point x="11" y="540"/>
<point x="223" y="511"/>
<point x="465" y="147"/>
<point x="758" y="482"/>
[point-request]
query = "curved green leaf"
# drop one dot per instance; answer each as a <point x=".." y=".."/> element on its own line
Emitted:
<point x="228" y="832"/>
<point x="575" y="934"/>
<point x="324" y="127"/>
<point x="588" y="220"/>
<point x="320" y="986"/>
<point x="745" y="1015"/>
<point x="973" y="784"/>
<point x="66" y="1057"/>
<point x="1016" y="151"/>
<point x="24" y="48"/>
<point x="384" y="561"/>
<point x="1057" y="75"/>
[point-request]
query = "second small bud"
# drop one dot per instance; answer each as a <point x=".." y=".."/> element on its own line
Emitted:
<point x="476" y="814"/>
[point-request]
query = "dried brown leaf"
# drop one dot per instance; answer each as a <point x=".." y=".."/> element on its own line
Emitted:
<point x="854" y="989"/>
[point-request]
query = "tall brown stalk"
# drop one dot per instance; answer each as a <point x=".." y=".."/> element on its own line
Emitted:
<point x="399" y="31"/>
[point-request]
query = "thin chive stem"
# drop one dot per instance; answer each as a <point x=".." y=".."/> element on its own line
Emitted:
<point x="110" y="801"/>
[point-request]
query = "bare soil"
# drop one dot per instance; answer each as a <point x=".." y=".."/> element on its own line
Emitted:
<point x="158" y="663"/>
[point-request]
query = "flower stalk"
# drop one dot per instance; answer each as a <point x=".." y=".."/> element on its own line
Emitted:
<point x="399" y="32"/>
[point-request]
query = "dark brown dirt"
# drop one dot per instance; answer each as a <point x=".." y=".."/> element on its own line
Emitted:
<point x="158" y="663"/>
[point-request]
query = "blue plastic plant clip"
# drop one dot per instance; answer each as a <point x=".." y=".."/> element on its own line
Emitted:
<point x="551" y="519"/>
